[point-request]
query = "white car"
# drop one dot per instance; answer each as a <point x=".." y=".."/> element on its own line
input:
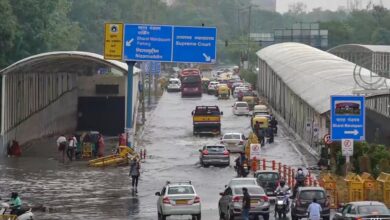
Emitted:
<point x="242" y="181"/>
<point x="234" y="142"/>
<point x="212" y="87"/>
<point x="240" y="108"/>
<point x="174" y="85"/>
<point x="178" y="198"/>
<point x="238" y="89"/>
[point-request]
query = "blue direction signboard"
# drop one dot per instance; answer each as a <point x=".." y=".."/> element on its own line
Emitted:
<point x="347" y="118"/>
<point x="147" y="42"/>
<point x="194" y="44"/>
<point x="169" y="43"/>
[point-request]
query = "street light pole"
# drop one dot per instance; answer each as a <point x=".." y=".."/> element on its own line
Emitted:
<point x="249" y="32"/>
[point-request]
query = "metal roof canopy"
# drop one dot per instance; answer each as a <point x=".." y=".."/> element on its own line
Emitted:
<point x="64" y="61"/>
<point x="361" y="48"/>
<point x="312" y="74"/>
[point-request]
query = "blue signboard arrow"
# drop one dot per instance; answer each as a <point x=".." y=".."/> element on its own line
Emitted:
<point x="347" y="118"/>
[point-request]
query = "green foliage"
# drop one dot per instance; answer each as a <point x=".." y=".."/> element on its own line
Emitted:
<point x="249" y="76"/>
<point x="7" y="31"/>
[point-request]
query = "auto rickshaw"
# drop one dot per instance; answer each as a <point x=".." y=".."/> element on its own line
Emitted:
<point x="223" y="92"/>
<point x="260" y="109"/>
<point x="262" y="132"/>
<point x="251" y="100"/>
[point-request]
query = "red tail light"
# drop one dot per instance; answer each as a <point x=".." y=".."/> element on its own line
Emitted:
<point x="205" y="152"/>
<point x="241" y="142"/>
<point x="197" y="199"/>
<point x="358" y="218"/>
<point x="226" y="152"/>
<point x="236" y="199"/>
<point x="265" y="198"/>
<point x="166" y="200"/>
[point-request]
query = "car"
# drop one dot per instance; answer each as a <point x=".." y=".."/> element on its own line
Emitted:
<point x="362" y="210"/>
<point x="241" y="108"/>
<point x="230" y="203"/>
<point x="174" y="85"/>
<point x="242" y="181"/>
<point x="214" y="155"/>
<point x="212" y="87"/>
<point x="178" y="198"/>
<point x="303" y="199"/>
<point x="238" y="89"/>
<point x="269" y="180"/>
<point x="234" y="142"/>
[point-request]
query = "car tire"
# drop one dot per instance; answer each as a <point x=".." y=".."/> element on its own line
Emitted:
<point x="266" y="216"/>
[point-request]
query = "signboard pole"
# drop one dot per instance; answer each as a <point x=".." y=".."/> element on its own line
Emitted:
<point x="143" y="97"/>
<point x="347" y="151"/>
<point x="149" y="85"/>
<point x="129" y="103"/>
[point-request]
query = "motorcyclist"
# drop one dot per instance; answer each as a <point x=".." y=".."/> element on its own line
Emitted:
<point x="283" y="189"/>
<point x="300" y="178"/>
<point x="274" y="124"/>
<point x="15" y="203"/>
<point x="240" y="165"/>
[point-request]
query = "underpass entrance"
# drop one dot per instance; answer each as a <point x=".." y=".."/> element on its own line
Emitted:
<point x="103" y="114"/>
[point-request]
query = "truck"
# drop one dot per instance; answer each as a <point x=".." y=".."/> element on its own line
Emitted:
<point x="206" y="120"/>
<point x="191" y="82"/>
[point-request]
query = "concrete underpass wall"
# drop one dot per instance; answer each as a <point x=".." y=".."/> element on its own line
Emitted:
<point x="59" y="116"/>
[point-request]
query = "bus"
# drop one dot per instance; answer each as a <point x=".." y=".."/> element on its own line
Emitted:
<point x="191" y="82"/>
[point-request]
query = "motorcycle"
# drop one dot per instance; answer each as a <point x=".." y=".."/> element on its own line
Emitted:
<point x="242" y="171"/>
<point x="282" y="204"/>
<point x="24" y="214"/>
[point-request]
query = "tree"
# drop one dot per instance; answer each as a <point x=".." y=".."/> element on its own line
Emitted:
<point x="7" y="32"/>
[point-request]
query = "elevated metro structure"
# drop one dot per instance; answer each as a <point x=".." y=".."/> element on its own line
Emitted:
<point x="58" y="92"/>
<point x="298" y="81"/>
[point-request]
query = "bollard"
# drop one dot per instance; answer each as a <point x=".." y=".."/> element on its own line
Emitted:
<point x="264" y="165"/>
<point x="293" y="177"/>
<point x="254" y="164"/>
<point x="289" y="176"/>
<point x="284" y="171"/>
<point x="273" y="165"/>
<point x="280" y="167"/>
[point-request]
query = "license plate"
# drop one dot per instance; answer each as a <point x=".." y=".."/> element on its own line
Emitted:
<point x="254" y="202"/>
<point x="181" y="202"/>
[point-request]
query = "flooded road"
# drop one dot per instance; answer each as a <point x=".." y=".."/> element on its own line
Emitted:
<point x="75" y="191"/>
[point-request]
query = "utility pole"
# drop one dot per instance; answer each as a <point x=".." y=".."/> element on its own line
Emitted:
<point x="143" y="97"/>
<point x="150" y="81"/>
<point x="249" y="32"/>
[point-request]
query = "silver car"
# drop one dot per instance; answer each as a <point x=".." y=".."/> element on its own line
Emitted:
<point x="230" y="203"/>
<point x="239" y="181"/>
<point x="234" y="142"/>
<point x="179" y="198"/>
<point x="214" y="155"/>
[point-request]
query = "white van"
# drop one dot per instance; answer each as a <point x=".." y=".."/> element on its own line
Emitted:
<point x="174" y="85"/>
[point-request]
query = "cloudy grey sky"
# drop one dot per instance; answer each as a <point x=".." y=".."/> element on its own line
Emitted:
<point x="282" y="5"/>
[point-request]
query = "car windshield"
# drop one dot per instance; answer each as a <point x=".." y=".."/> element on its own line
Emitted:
<point x="174" y="190"/>
<point x="231" y="136"/>
<point x="242" y="104"/>
<point x="191" y="79"/>
<point x="242" y="182"/>
<point x="207" y="111"/>
<point x="251" y="190"/>
<point x="310" y="194"/>
<point x="267" y="176"/>
<point x="174" y="82"/>
<point x="216" y="148"/>
<point x="373" y="210"/>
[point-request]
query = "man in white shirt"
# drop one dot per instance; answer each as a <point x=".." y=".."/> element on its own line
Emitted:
<point x="314" y="210"/>
<point x="61" y="144"/>
<point x="72" y="145"/>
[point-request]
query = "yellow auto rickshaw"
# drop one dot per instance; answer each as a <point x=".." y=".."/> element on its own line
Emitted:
<point x="223" y="91"/>
<point x="251" y="100"/>
<point x="262" y="120"/>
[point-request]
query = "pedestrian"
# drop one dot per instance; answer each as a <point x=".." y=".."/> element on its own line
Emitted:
<point x="314" y="210"/>
<point x="101" y="146"/>
<point x="270" y="135"/>
<point x="262" y="137"/>
<point x="274" y="124"/>
<point x="14" y="149"/>
<point x="246" y="204"/>
<point x="134" y="172"/>
<point x="61" y="144"/>
<point x="72" y="145"/>
<point x="16" y="204"/>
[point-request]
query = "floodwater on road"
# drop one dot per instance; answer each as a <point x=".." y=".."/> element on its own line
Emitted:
<point x="76" y="191"/>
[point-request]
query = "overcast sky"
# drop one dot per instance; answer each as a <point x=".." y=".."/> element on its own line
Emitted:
<point x="282" y="5"/>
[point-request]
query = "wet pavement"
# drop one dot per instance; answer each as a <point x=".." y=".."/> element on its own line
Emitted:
<point x="75" y="191"/>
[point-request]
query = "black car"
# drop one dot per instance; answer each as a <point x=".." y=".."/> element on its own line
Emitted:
<point x="362" y="210"/>
<point x="269" y="180"/>
<point x="303" y="199"/>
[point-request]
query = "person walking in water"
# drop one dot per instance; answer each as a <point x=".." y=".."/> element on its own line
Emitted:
<point x="61" y="144"/>
<point x="314" y="210"/>
<point x="134" y="172"/>
<point x="72" y="145"/>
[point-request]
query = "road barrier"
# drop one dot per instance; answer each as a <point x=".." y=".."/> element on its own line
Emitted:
<point x="383" y="181"/>
<point x="329" y="184"/>
<point x="355" y="186"/>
